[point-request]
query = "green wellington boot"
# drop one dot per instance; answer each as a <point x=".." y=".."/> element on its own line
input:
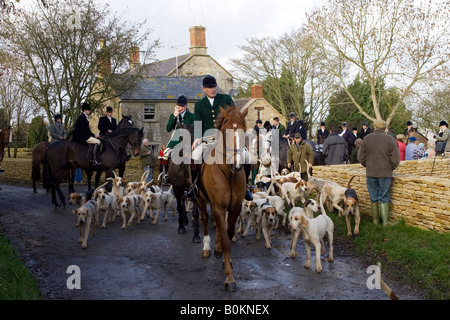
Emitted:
<point x="384" y="211"/>
<point x="375" y="213"/>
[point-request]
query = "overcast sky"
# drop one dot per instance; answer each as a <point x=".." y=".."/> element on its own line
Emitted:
<point x="228" y="23"/>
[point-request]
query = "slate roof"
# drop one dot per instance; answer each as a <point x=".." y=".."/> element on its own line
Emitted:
<point x="167" y="88"/>
<point x="161" y="68"/>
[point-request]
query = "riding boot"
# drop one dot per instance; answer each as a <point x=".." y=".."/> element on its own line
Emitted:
<point x="384" y="211"/>
<point x="94" y="155"/>
<point x="193" y="189"/>
<point x="375" y="212"/>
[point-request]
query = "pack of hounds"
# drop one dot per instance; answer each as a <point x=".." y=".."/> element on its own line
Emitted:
<point x="272" y="195"/>
<point x="132" y="202"/>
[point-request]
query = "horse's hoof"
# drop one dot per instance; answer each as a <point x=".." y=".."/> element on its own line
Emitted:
<point x="206" y="253"/>
<point x="196" y="239"/>
<point x="181" y="230"/>
<point x="218" y="254"/>
<point x="35" y="191"/>
<point x="230" y="287"/>
<point x="63" y="206"/>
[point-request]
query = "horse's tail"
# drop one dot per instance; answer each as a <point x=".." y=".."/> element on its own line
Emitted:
<point x="47" y="173"/>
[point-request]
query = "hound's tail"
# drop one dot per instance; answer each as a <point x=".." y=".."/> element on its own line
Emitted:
<point x="349" y="182"/>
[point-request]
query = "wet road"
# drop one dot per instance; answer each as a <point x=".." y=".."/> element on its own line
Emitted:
<point x="154" y="262"/>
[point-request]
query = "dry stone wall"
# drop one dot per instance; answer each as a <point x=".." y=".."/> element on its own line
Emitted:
<point x="420" y="190"/>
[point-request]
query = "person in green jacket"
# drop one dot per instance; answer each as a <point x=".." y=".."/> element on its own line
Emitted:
<point x="298" y="152"/>
<point x="206" y="112"/>
<point x="181" y="115"/>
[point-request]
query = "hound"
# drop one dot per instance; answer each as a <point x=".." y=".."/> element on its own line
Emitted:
<point x="253" y="208"/>
<point x="351" y="208"/>
<point x="268" y="220"/>
<point x="313" y="233"/>
<point x="313" y="183"/>
<point x="87" y="215"/>
<point x="131" y="205"/>
<point x="106" y="204"/>
<point x="309" y="208"/>
<point x="291" y="192"/>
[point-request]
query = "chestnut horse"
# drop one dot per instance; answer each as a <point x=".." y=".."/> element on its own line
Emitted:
<point x="222" y="184"/>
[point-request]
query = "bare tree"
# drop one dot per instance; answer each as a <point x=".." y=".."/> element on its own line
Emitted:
<point x="74" y="51"/>
<point x="405" y="42"/>
<point x="288" y="69"/>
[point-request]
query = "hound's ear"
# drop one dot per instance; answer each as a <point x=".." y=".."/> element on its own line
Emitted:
<point x="74" y="211"/>
<point x="304" y="221"/>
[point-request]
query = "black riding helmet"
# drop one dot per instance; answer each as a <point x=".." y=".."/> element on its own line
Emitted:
<point x="58" y="116"/>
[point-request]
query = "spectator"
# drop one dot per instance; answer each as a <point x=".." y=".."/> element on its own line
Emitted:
<point x="354" y="154"/>
<point x="444" y="135"/>
<point x="257" y="126"/>
<point x="57" y="130"/>
<point x="380" y="156"/>
<point x="411" y="148"/>
<point x="78" y="178"/>
<point x="347" y="135"/>
<point x="298" y="152"/>
<point x="420" y="153"/>
<point x="401" y="145"/>
<point x="147" y="159"/>
<point x="277" y="125"/>
<point x="335" y="148"/>
<point x="365" y="130"/>
<point x="163" y="161"/>
<point x="292" y="126"/>
<point x="322" y="133"/>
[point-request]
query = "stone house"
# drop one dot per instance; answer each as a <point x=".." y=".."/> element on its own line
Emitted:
<point x="153" y="99"/>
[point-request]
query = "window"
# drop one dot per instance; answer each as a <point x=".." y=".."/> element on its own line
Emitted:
<point x="150" y="112"/>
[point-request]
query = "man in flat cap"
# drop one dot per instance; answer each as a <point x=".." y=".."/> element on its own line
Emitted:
<point x="107" y="123"/>
<point x="297" y="153"/>
<point x="380" y="156"/>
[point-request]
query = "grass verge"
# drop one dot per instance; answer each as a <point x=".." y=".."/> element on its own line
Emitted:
<point x="16" y="282"/>
<point x="414" y="256"/>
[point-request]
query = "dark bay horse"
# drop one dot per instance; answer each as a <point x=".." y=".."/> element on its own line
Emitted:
<point x="125" y="122"/>
<point x="64" y="155"/>
<point x="37" y="157"/>
<point x="222" y="185"/>
<point x="180" y="179"/>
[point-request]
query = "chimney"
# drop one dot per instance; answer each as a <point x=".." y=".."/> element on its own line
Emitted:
<point x="134" y="57"/>
<point x="257" y="91"/>
<point x="105" y="60"/>
<point x="198" y="40"/>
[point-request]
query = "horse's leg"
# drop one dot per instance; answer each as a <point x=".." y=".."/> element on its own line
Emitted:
<point x="181" y="209"/>
<point x="206" y="251"/>
<point x="97" y="178"/>
<point x="224" y="242"/>
<point x="70" y="181"/>
<point x="121" y="170"/>
<point x="61" y="197"/>
<point x="89" y="177"/>
<point x="195" y="223"/>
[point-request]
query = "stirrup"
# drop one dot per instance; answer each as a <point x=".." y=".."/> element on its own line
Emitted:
<point x="192" y="192"/>
<point x="94" y="162"/>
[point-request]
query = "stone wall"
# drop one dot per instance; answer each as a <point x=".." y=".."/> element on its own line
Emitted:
<point x="420" y="190"/>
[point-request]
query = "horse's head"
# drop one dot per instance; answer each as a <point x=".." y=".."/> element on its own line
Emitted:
<point x="232" y="128"/>
<point x="126" y="121"/>
<point x="135" y="140"/>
